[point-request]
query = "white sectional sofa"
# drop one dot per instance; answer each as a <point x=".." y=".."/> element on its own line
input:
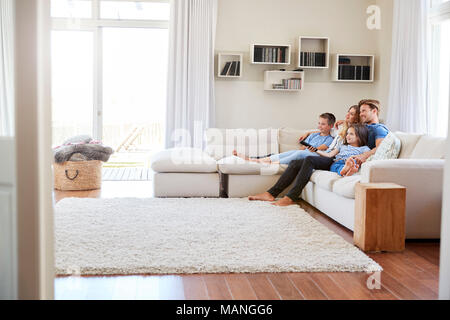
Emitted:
<point x="214" y="172"/>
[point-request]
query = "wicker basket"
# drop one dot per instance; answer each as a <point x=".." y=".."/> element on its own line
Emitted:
<point x="78" y="175"/>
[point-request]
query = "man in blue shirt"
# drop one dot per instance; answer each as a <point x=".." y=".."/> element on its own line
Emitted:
<point x="369" y="110"/>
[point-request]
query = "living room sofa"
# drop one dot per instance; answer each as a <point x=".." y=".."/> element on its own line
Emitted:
<point x="215" y="172"/>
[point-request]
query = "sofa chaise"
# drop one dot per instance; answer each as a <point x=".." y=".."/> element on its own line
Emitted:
<point x="215" y="172"/>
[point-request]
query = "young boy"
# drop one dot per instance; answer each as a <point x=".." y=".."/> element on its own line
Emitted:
<point x="319" y="141"/>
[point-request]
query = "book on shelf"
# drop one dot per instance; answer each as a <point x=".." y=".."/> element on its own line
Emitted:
<point x="366" y="72"/>
<point x="270" y="54"/>
<point x="313" y="59"/>
<point x="258" y="54"/>
<point x="352" y="72"/>
<point x="232" y="70"/>
<point x="289" y="84"/>
<point x="358" y="73"/>
<point x="225" y="69"/>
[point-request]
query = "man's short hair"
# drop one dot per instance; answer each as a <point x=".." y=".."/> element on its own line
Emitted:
<point x="330" y="118"/>
<point x="372" y="103"/>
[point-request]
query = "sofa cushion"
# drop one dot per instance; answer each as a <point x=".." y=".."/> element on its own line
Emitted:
<point x="325" y="179"/>
<point x="409" y="141"/>
<point x="288" y="138"/>
<point x="346" y="186"/>
<point x="235" y="165"/>
<point x="429" y="147"/>
<point x="388" y="149"/>
<point x="183" y="160"/>
<point x="250" y="142"/>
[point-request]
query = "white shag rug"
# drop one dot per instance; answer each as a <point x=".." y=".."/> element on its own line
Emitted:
<point x="172" y="236"/>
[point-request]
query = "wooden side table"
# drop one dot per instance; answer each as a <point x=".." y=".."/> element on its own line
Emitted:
<point x="380" y="217"/>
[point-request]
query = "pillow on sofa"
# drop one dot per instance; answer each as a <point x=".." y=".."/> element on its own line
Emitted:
<point x="429" y="147"/>
<point x="251" y="142"/>
<point x="388" y="149"/>
<point x="183" y="160"/>
<point x="288" y="138"/>
<point x="409" y="141"/>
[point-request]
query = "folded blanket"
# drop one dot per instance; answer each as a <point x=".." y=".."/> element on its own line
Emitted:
<point x="82" y="148"/>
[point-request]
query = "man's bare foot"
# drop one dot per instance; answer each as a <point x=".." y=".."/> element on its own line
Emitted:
<point x="262" y="197"/>
<point x="352" y="170"/>
<point x="284" y="202"/>
<point x="345" y="169"/>
<point x="349" y="165"/>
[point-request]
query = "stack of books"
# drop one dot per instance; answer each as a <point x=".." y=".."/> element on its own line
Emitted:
<point x="292" y="83"/>
<point x="351" y="72"/>
<point x="231" y="68"/>
<point x="270" y="55"/>
<point x="313" y="59"/>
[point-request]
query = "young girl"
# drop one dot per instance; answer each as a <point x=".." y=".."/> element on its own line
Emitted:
<point x="355" y="144"/>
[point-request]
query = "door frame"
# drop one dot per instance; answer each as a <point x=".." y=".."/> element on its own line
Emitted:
<point x="34" y="232"/>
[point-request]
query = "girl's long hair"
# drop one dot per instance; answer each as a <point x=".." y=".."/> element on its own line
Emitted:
<point x="345" y="127"/>
<point x="361" y="132"/>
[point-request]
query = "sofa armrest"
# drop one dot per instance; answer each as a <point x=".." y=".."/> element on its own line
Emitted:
<point x="410" y="171"/>
<point x="423" y="179"/>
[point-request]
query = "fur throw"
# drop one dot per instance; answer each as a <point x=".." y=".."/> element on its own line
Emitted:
<point x="81" y="148"/>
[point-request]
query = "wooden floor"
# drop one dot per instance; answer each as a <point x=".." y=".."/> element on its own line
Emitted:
<point x="411" y="275"/>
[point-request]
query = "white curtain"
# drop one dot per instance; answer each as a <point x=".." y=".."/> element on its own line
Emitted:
<point x="190" y="98"/>
<point x="6" y="67"/>
<point x="409" y="67"/>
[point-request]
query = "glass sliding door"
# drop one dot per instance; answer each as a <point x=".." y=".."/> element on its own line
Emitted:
<point x="72" y="84"/>
<point x="109" y="74"/>
<point x="134" y="88"/>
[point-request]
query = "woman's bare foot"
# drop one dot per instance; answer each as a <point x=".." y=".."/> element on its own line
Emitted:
<point x="284" y="202"/>
<point x="262" y="197"/>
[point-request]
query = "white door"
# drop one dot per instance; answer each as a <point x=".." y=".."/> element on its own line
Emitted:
<point x="8" y="277"/>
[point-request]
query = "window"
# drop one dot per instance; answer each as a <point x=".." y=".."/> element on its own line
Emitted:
<point x="134" y="10"/>
<point x="109" y="68"/>
<point x="72" y="84"/>
<point x="439" y="67"/>
<point x="71" y="8"/>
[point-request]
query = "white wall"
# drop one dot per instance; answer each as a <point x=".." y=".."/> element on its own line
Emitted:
<point x="444" y="270"/>
<point x="244" y="103"/>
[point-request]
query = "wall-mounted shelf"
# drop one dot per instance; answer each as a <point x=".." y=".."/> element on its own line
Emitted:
<point x="273" y="54"/>
<point x="313" y="52"/>
<point x="353" y="68"/>
<point x="229" y="65"/>
<point x="286" y="81"/>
